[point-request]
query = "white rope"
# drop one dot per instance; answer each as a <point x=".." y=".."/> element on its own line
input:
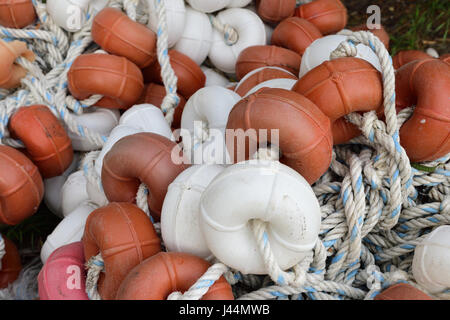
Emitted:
<point x="2" y="250"/>
<point x="371" y="216"/>
<point x="171" y="100"/>
<point x="202" y="285"/>
<point x="230" y="35"/>
<point x="375" y="206"/>
<point x="95" y="267"/>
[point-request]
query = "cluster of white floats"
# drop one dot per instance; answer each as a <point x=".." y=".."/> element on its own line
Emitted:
<point x="204" y="212"/>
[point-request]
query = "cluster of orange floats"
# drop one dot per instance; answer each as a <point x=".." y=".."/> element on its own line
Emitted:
<point x="130" y="74"/>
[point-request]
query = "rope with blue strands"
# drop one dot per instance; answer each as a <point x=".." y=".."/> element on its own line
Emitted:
<point x="375" y="206"/>
<point x="371" y="221"/>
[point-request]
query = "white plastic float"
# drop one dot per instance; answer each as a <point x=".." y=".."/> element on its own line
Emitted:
<point x="69" y="230"/>
<point x="175" y="17"/>
<point x="208" y="6"/>
<point x="180" y="213"/>
<point x="53" y="187"/>
<point x="195" y="42"/>
<point x="265" y="190"/>
<point x="431" y="263"/>
<point x="320" y="50"/>
<point x="100" y="120"/>
<point x="253" y="72"/>
<point x="269" y="29"/>
<point x="139" y="118"/>
<point x="274" y="83"/>
<point x="73" y="192"/>
<point x="208" y="107"/>
<point x="71" y="14"/>
<point x="250" y="30"/>
<point x="213" y="78"/>
<point x="68" y="14"/>
<point x="238" y="3"/>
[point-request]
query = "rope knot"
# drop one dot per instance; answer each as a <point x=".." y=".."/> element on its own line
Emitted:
<point x="229" y="33"/>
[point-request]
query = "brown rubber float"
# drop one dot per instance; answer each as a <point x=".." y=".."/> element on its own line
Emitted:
<point x="10" y="264"/>
<point x="378" y="31"/>
<point x="154" y="94"/>
<point x="166" y="272"/>
<point x="256" y="57"/>
<point x="340" y="87"/>
<point x="21" y="186"/>
<point x="308" y="151"/>
<point x="273" y="11"/>
<point x="16" y="13"/>
<point x="190" y="77"/>
<point x="260" y="76"/>
<point x="11" y="73"/>
<point x="124" y="236"/>
<point x="406" y="56"/>
<point x="117" y="34"/>
<point x="445" y="57"/>
<point x="116" y="78"/>
<point x="46" y="141"/>
<point x="402" y="291"/>
<point x="329" y="16"/>
<point x="142" y="157"/>
<point x="295" y="34"/>
<point x="426" y="84"/>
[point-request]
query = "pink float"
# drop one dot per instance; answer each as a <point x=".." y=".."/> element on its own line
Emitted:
<point x="63" y="276"/>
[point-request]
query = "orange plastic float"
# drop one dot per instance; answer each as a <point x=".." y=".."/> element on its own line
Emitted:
<point x="124" y="236"/>
<point x="445" y="57"/>
<point x="273" y="11"/>
<point x="426" y="84"/>
<point x="11" y="73"/>
<point x="119" y="35"/>
<point x="45" y="139"/>
<point x="116" y="78"/>
<point x="308" y="151"/>
<point x="142" y="157"/>
<point x="10" y="264"/>
<point x="21" y="186"/>
<point x="295" y="34"/>
<point x="329" y="16"/>
<point x="16" y="13"/>
<point x="402" y="291"/>
<point x="378" y="31"/>
<point x="261" y="75"/>
<point x="331" y="86"/>
<point x="406" y="56"/>
<point x="190" y="76"/>
<point x="154" y="94"/>
<point x="166" y="272"/>
<point x="256" y="57"/>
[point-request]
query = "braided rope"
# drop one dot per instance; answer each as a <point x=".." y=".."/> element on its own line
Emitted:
<point x="171" y="100"/>
<point x="375" y="207"/>
<point x="372" y="219"/>
<point x="55" y="52"/>
<point x="2" y="250"/>
<point x="230" y="35"/>
<point x="202" y="285"/>
<point x="95" y="266"/>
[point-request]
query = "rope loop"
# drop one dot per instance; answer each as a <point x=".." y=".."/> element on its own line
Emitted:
<point x="230" y="34"/>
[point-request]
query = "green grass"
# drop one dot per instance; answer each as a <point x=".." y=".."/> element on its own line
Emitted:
<point x="32" y="232"/>
<point x="427" y="25"/>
